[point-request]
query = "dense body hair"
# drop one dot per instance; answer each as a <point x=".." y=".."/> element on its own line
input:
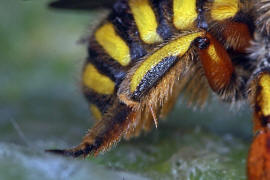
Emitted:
<point x="123" y="22"/>
<point x="147" y="52"/>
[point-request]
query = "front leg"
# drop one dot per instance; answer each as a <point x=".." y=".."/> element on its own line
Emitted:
<point x="259" y="153"/>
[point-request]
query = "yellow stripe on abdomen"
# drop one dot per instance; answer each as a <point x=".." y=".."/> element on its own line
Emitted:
<point x="96" y="112"/>
<point x="265" y="94"/>
<point x="145" y="20"/>
<point x="177" y="47"/>
<point x="97" y="81"/>
<point x="113" y="44"/>
<point x="224" y="9"/>
<point x="184" y="13"/>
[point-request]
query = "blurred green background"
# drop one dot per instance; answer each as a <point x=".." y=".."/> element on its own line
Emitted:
<point x="41" y="107"/>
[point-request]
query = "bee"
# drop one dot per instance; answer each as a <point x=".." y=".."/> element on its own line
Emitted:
<point x="147" y="52"/>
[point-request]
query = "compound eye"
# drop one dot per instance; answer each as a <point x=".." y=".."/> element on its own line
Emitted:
<point x="202" y="42"/>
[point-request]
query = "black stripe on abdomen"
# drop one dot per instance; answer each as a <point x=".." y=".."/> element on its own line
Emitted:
<point x="163" y="10"/>
<point x="105" y="64"/>
<point x="103" y="102"/>
<point x="125" y="26"/>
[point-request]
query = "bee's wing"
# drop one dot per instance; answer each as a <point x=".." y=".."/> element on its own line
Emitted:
<point x="82" y="4"/>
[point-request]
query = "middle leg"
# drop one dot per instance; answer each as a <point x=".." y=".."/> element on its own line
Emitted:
<point x="227" y="74"/>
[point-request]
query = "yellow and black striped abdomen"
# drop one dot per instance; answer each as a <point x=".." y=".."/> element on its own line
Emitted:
<point x="129" y="32"/>
<point x="132" y="30"/>
<point x="136" y="29"/>
<point x="146" y="52"/>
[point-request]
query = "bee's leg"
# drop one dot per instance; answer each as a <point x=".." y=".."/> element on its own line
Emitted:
<point x="259" y="154"/>
<point x="128" y="107"/>
<point x="216" y="62"/>
<point x="103" y="134"/>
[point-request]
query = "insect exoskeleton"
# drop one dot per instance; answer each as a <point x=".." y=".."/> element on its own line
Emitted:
<point x="147" y="52"/>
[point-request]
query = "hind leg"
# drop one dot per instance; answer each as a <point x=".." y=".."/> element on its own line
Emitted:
<point x="103" y="134"/>
<point x="148" y="83"/>
<point x="259" y="154"/>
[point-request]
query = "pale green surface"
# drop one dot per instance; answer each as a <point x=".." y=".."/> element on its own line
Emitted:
<point x="41" y="107"/>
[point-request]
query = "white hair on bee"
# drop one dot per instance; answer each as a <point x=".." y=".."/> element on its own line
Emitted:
<point x="260" y="47"/>
<point x="262" y="8"/>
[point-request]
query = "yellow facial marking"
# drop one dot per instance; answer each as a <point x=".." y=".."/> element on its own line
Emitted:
<point x="177" y="47"/>
<point x="265" y="94"/>
<point x="113" y="44"/>
<point x="184" y="13"/>
<point x="145" y="20"/>
<point x="96" y="112"/>
<point x="97" y="81"/>
<point x="224" y="9"/>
